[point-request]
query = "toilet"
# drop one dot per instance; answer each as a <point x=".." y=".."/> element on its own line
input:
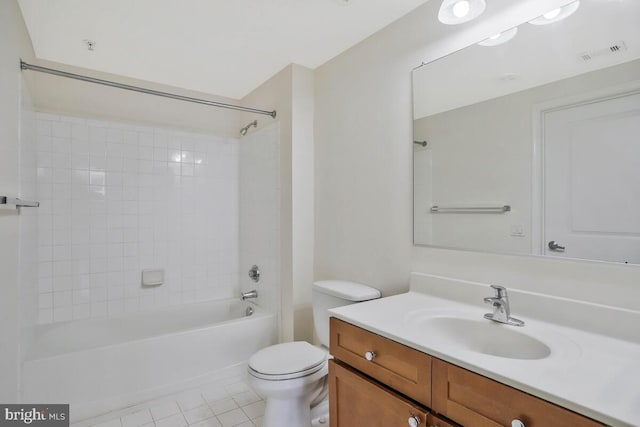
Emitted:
<point x="292" y="377"/>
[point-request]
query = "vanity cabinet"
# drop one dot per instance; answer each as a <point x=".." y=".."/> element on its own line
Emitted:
<point x="374" y="381"/>
<point x="359" y="401"/>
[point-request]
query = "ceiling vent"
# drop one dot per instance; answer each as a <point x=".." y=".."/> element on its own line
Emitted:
<point x="612" y="49"/>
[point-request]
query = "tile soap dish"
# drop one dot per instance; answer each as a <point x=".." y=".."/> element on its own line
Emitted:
<point x="152" y="277"/>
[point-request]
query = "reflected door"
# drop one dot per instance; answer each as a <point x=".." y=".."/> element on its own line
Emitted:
<point x="592" y="180"/>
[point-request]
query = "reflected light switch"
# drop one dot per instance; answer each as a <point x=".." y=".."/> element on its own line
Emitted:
<point x="517" y="230"/>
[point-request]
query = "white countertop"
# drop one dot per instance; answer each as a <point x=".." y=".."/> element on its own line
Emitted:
<point x="591" y="373"/>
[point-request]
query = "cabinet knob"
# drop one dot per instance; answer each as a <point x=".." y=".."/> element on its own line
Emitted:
<point x="370" y="355"/>
<point x="414" y="421"/>
<point x="517" y="423"/>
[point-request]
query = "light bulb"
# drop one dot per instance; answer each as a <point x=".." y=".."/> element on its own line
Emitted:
<point x="552" y="13"/>
<point x="461" y="9"/>
<point x="453" y="12"/>
<point x="556" y="15"/>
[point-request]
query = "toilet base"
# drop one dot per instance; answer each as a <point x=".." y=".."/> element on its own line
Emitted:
<point x="320" y="414"/>
<point x="298" y="415"/>
<point x="290" y="413"/>
<point x="289" y="402"/>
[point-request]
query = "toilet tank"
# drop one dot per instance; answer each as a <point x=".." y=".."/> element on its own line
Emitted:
<point x="329" y="294"/>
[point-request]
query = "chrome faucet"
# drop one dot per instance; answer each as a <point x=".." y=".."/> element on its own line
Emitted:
<point x="501" y="311"/>
<point x="250" y="294"/>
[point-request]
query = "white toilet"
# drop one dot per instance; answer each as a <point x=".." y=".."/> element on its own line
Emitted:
<point x="292" y="377"/>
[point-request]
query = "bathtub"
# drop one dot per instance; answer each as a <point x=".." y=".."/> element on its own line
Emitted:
<point x="98" y="365"/>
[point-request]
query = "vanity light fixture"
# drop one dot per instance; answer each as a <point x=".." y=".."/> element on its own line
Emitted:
<point x="556" y="15"/>
<point x="500" y="38"/>
<point x="454" y="12"/>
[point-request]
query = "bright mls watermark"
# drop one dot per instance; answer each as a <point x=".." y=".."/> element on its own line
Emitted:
<point x="34" y="415"/>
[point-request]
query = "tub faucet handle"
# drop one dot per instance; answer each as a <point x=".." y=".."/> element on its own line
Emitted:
<point x="254" y="273"/>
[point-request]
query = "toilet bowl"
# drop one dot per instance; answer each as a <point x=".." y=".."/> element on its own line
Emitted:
<point x="293" y="377"/>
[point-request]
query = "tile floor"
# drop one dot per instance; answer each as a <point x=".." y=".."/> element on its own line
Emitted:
<point x="225" y="403"/>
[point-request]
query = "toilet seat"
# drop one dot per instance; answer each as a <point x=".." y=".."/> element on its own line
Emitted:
<point x="287" y="361"/>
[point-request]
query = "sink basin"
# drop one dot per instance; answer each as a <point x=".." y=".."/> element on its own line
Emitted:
<point x="483" y="336"/>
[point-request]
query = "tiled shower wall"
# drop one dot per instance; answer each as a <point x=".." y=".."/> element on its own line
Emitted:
<point x="260" y="213"/>
<point x="117" y="199"/>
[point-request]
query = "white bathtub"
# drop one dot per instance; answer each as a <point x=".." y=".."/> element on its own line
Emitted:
<point x="98" y="365"/>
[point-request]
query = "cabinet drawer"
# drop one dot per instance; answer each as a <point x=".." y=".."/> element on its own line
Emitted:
<point x="395" y="365"/>
<point x="473" y="400"/>
<point x="359" y="401"/>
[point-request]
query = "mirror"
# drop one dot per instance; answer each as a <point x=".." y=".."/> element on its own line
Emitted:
<point x="532" y="146"/>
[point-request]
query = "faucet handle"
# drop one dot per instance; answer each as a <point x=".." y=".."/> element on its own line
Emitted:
<point x="501" y="291"/>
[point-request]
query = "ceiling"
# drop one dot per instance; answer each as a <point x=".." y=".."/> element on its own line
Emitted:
<point x="226" y="48"/>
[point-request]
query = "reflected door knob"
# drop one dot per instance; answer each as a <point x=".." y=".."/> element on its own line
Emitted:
<point x="555" y="246"/>
<point x="517" y="423"/>
<point x="414" y="421"/>
<point x="370" y="355"/>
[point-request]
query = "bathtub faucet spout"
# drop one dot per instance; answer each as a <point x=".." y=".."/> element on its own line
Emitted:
<point x="250" y="294"/>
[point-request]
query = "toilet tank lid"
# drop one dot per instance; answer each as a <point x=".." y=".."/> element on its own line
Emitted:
<point x="349" y="291"/>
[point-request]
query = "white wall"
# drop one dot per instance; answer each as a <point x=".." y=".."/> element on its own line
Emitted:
<point x="117" y="199"/>
<point x="302" y="190"/>
<point x="14" y="43"/>
<point x="363" y="177"/>
<point x="28" y="219"/>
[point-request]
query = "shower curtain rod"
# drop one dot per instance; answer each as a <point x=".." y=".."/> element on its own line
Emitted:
<point x="25" y="66"/>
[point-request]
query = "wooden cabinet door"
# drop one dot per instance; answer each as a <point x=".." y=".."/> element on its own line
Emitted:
<point x="400" y="367"/>
<point x="358" y="401"/>
<point x="434" y="421"/>
<point x="476" y="401"/>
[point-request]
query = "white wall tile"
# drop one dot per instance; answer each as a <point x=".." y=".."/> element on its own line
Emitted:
<point x="81" y="311"/>
<point x="61" y="129"/>
<point x="117" y="199"/>
<point x="60" y="145"/>
<point x="45" y="300"/>
<point x="62" y="314"/>
<point x="44" y="143"/>
<point x="43" y="126"/>
<point x="45" y="315"/>
<point x="98" y="309"/>
<point x="115" y="307"/>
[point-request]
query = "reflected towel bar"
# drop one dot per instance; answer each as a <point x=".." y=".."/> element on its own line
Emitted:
<point x="470" y="209"/>
<point x="17" y="202"/>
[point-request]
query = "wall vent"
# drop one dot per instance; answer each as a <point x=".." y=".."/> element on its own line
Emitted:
<point x="614" y="48"/>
